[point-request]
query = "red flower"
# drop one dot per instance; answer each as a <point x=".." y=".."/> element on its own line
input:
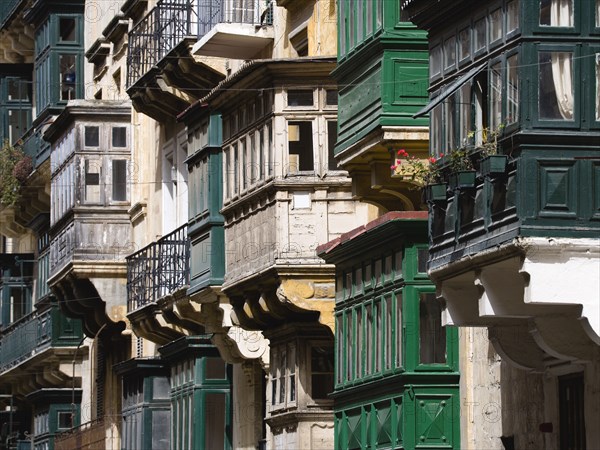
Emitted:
<point x="402" y="152"/>
<point x="432" y="160"/>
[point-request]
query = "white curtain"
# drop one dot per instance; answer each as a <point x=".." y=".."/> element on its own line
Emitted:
<point x="561" y="15"/>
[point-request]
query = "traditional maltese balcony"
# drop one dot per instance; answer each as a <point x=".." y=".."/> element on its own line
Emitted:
<point x="500" y="250"/>
<point x="157" y="276"/>
<point x="177" y="51"/>
<point x="36" y="338"/>
<point x="43" y="343"/>
<point x="89" y="224"/>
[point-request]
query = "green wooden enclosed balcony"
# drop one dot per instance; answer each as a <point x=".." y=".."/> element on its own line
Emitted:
<point x="36" y="333"/>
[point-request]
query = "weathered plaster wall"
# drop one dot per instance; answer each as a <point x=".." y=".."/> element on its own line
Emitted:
<point x="480" y="394"/>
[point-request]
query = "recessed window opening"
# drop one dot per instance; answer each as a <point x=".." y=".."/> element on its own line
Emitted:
<point x="300" y="146"/>
<point x="300" y="97"/>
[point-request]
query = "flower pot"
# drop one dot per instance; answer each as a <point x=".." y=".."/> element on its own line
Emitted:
<point x="464" y="179"/>
<point x="436" y="192"/>
<point x="494" y="165"/>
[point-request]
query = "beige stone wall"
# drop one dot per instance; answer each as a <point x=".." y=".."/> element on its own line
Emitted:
<point x="111" y="76"/>
<point x="480" y="392"/>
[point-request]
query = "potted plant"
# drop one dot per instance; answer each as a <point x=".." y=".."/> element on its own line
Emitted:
<point x="492" y="164"/>
<point x="463" y="174"/>
<point x="423" y="173"/>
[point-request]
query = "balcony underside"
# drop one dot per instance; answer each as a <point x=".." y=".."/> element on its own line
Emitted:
<point x="282" y="295"/>
<point x="50" y="368"/>
<point x="177" y="315"/>
<point x="539" y="298"/>
<point x="173" y="84"/>
<point x="234" y="40"/>
<point x="79" y="296"/>
<point x="368" y="163"/>
<point x="16" y="41"/>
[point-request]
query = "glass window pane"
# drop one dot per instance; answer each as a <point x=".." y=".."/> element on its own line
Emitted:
<point x="435" y="63"/>
<point x="67" y="76"/>
<point x="464" y="44"/>
<point x="450" y="52"/>
<point x="119" y="137"/>
<point x="556" y="85"/>
<point x="436" y="131"/>
<point x="119" y="180"/>
<point x="495" y="96"/>
<point x="215" y="420"/>
<point x="398" y="329"/>
<point x="359" y="343"/>
<point x="331" y="97"/>
<point x="512" y="87"/>
<point x="480" y="34"/>
<point x="466" y="121"/>
<point x="495" y="25"/>
<point x="449" y="128"/>
<point x="598" y="13"/>
<point x="17" y="89"/>
<point x="598" y="83"/>
<point x="161" y="421"/>
<point x="216" y="369"/>
<point x="368" y="340"/>
<point x="322" y="371"/>
<point x="92" y="136"/>
<point x="66" y="29"/>
<point x="160" y="387"/>
<point x="432" y="335"/>
<point x="512" y="16"/>
<point x="282" y="375"/>
<point x="331" y="140"/>
<point x="300" y="97"/>
<point x="388" y="333"/>
<point x="556" y="13"/>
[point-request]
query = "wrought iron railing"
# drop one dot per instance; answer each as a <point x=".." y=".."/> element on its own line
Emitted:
<point x="158" y="269"/>
<point x="25" y="338"/>
<point x="169" y="22"/>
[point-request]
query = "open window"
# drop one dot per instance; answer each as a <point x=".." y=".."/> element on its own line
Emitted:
<point x="300" y="147"/>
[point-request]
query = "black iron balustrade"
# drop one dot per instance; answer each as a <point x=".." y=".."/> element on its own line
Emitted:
<point x="158" y="269"/>
<point x="170" y="22"/>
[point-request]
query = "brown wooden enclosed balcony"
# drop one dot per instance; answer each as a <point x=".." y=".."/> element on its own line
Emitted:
<point x="157" y="275"/>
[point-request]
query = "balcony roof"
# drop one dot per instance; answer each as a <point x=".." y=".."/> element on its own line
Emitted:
<point x="234" y="40"/>
<point x="260" y="73"/>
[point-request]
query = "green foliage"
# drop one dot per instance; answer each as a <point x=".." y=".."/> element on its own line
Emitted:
<point x="15" y="167"/>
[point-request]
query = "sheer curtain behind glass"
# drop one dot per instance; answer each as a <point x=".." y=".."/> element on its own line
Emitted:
<point x="561" y="15"/>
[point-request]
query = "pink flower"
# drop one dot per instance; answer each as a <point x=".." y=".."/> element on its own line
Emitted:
<point x="393" y="167"/>
<point x="432" y="160"/>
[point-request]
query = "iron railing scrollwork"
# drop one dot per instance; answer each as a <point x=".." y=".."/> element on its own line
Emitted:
<point x="158" y="269"/>
<point x="170" y="22"/>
